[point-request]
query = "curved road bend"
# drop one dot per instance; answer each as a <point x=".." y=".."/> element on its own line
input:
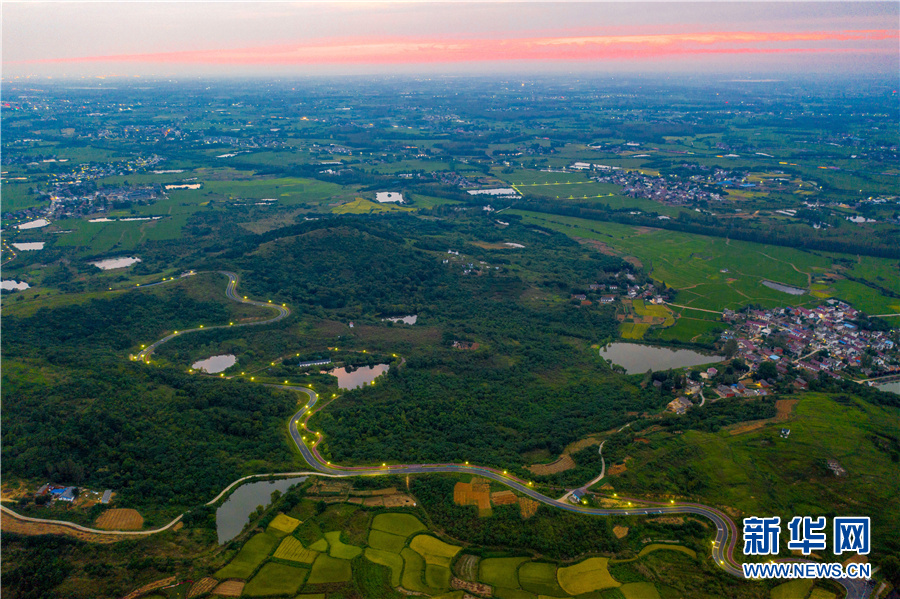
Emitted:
<point x="722" y="547"/>
<point x="283" y="312"/>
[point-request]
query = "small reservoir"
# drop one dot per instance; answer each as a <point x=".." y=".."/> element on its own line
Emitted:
<point x="359" y="377"/>
<point x="637" y="358"/>
<point x="784" y="288"/>
<point x="113" y="263"/>
<point x="11" y="285"/>
<point x="215" y="364"/>
<point x="404" y="319"/>
<point x="233" y="515"/>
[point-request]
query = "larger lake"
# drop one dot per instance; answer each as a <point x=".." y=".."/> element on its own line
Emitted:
<point x="359" y="377"/>
<point x="234" y="514"/>
<point x="637" y="358"/>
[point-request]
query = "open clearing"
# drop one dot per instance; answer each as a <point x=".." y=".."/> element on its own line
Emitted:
<point x="276" y="579"/>
<point x="120" y="519"/>
<point x="560" y="464"/>
<point x="587" y="576"/>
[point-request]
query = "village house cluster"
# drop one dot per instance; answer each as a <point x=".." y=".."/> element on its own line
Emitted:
<point x="825" y="340"/>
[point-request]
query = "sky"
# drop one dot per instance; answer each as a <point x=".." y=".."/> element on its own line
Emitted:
<point x="178" y="39"/>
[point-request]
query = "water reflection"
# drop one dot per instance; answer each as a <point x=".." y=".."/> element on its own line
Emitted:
<point x="637" y="358"/>
<point x="359" y="377"/>
<point x="215" y="363"/>
<point x="234" y="514"/>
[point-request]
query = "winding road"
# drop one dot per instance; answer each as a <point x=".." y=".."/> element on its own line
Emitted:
<point x="307" y="442"/>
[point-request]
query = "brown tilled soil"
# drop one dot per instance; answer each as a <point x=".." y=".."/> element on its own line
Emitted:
<point x="204" y="585"/>
<point x="150" y="587"/>
<point x="120" y="519"/>
<point x="503" y="498"/>
<point x="474" y="587"/>
<point x="785" y="408"/>
<point x="560" y="464"/>
<point x="616" y="469"/>
<point x="528" y="507"/>
<point x="620" y="531"/>
<point x="22" y="527"/>
<point x="230" y="588"/>
<point x="746" y="427"/>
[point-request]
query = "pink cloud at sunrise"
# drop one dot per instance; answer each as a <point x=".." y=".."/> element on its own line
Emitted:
<point x="580" y="48"/>
<point x="73" y="39"/>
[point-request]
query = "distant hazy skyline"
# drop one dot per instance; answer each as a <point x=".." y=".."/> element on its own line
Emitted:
<point x="74" y="39"/>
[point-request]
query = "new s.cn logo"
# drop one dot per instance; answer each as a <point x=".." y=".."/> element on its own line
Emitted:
<point x="761" y="535"/>
<point x="852" y="534"/>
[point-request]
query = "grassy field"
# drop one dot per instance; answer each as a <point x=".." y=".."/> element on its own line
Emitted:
<point x="386" y="541"/>
<point x="437" y="577"/>
<point x="631" y="330"/>
<point x="653" y="311"/>
<point x="795" y="589"/>
<point x="251" y="555"/>
<point x="398" y="524"/>
<point x="708" y="272"/>
<point x="639" y="590"/>
<point x="329" y="569"/>
<point x="283" y="525"/>
<point x="587" y="576"/>
<point x="292" y="550"/>
<point x="363" y="206"/>
<point x="434" y="550"/>
<point x="501" y="571"/>
<point x="276" y="579"/>
<point x="757" y="471"/>
<point x="413" y="569"/>
<point x="540" y="578"/>
<point x="339" y="549"/>
<point x="387" y="558"/>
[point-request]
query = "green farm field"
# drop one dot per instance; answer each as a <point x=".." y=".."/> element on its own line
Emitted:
<point x="276" y="579"/>
<point x="251" y="555"/>
<point x="709" y="272"/>
<point x="757" y="471"/>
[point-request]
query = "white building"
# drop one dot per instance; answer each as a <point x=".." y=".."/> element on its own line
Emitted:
<point x="389" y="196"/>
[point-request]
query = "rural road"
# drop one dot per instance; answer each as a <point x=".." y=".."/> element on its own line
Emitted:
<point x="283" y="312"/>
<point x="723" y="546"/>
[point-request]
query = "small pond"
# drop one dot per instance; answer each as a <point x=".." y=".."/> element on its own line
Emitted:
<point x="404" y="319"/>
<point x="890" y="387"/>
<point x="359" y="377"/>
<point x="233" y="515"/>
<point x="637" y="358"/>
<point x="112" y="263"/>
<point x="10" y="285"/>
<point x="35" y="224"/>
<point x="29" y="246"/>
<point x="784" y="288"/>
<point x="215" y="363"/>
